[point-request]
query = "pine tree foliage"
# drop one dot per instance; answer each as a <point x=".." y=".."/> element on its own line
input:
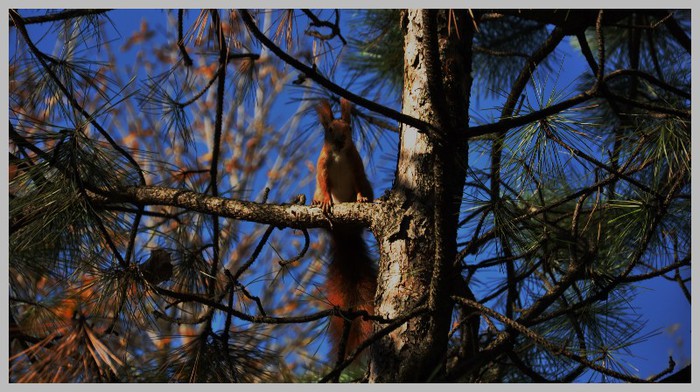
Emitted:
<point x="157" y="227"/>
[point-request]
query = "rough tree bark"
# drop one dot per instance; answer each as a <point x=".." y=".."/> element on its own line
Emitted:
<point x="417" y="231"/>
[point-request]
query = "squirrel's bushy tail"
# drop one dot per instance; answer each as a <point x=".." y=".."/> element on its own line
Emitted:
<point x="351" y="283"/>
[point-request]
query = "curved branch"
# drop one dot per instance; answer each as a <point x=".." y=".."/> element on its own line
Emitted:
<point x="335" y="27"/>
<point x="313" y="74"/>
<point x="512" y="122"/>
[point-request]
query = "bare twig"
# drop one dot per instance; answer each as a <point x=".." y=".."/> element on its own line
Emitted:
<point x="316" y="22"/>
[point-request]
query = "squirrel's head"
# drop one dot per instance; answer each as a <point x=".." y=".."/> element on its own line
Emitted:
<point x="337" y="132"/>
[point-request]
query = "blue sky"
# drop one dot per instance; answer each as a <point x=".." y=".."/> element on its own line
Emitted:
<point x="662" y="301"/>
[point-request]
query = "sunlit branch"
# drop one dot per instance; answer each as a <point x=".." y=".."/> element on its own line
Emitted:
<point x="600" y="71"/>
<point x="279" y="215"/>
<point x="669" y="369"/>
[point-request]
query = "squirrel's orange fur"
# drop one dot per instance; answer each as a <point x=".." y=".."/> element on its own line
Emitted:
<point x="352" y="279"/>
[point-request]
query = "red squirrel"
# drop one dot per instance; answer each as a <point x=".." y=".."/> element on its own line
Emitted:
<point x="340" y="178"/>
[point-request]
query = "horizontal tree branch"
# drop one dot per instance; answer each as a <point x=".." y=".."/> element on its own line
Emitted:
<point x="278" y="215"/>
<point x="513" y="122"/>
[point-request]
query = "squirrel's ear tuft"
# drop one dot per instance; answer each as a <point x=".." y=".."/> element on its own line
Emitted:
<point x="325" y="115"/>
<point x="345" y="110"/>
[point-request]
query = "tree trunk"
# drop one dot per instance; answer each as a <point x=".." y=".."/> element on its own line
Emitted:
<point x="417" y="234"/>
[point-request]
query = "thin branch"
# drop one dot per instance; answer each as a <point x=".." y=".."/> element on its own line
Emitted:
<point x="253" y="298"/>
<point x="154" y="214"/>
<point x="684" y="289"/>
<point x="669" y="369"/>
<point x="685" y="114"/>
<point x="341" y="348"/>
<point x="188" y="297"/>
<point x="304" y="249"/>
<point x="254" y="255"/>
<point x="600" y="71"/>
<point x="658" y="272"/>
<point x="313" y="74"/>
<point x="498" y="53"/>
<point x="58" y="16"/>
<point x="204" y="89"/>
<point x="241" y="56"/>
<point x="505" y="124"/>
<point x="316" y="22"/>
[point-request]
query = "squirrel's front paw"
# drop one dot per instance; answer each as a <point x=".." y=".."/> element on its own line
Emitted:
<point x="325" y="205"/>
